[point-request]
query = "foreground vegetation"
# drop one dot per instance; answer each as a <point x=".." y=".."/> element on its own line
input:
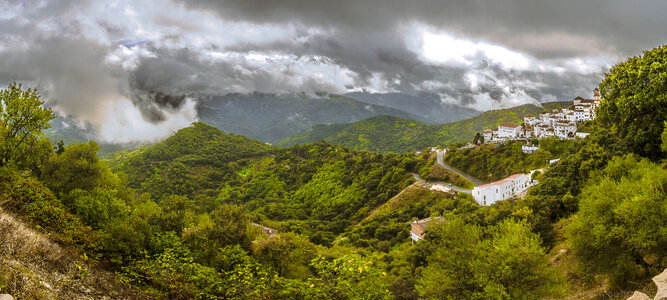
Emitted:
<point x="175" y="220"/>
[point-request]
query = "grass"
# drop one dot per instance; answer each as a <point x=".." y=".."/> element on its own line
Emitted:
<point x="32" y="266"/>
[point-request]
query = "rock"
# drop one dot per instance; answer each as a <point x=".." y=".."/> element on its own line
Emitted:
<point x="639" y="296"/>
<point x="6" y="297"/>
<point x="661" y="281"/>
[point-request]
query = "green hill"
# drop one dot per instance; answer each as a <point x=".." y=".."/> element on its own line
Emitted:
<point x="393" y="134"/>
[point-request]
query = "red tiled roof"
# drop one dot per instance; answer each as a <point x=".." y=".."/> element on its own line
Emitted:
<point x="499" y="182"/>
<point x="514" y="176"/>
<point x="509" y="125"/>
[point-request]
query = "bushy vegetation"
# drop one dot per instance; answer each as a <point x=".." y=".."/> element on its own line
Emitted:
<point x="492" y="162"/>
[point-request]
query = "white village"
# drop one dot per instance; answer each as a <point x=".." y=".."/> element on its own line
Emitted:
<point x="559" y="123"/>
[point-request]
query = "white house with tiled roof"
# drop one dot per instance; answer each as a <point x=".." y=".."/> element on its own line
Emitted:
<point x="508" y="130"/>
<point x="529" y="119"/>
<point x="509" y="187"/>
<point x="418" y="227"/>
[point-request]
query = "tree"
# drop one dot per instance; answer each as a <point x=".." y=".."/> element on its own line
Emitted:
<point x="621" y="227"/>
<point x="61" y="147"/>
<point x="78" y="167"/>
<point x="634" y="104"/>
<point x="287" y="253"/>
<point x="22" y="118"/>
<point x="479" y="138"/>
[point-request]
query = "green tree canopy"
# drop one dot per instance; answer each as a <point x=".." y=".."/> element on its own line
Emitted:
<point x="22" y="118"/>
<point x="634" y="102"/>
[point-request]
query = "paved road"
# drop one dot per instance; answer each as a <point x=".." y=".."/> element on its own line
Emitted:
<point x="448" y="185"/>
<point x="474" y="180"/>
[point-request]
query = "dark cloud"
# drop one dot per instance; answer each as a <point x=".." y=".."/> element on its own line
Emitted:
<point x="164" y="80"/>
<point x="53" y="45"/>
<point x="546" y="29"/>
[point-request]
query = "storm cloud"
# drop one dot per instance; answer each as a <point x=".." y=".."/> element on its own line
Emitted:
<point x="109" y="63"/>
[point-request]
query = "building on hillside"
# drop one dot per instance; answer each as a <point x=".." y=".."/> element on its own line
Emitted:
<point x="529" y="149"/>
<point x="529" y="119"/>
<point x="418" y="227"/>
<point x="508" y="130"/>
<point x="565" y="129"/>
<point x="544" y="117"/>
<point x="582" y="135"/>
<point x="488" y="135"/>
<point x="509" y="187"/>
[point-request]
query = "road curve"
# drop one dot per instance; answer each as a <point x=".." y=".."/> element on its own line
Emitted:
<point x="441" y="162"/>
<point x="449" y="185"/>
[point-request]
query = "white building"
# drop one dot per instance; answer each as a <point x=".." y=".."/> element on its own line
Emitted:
<point x="488" y="134"/>
<point x="544" y="117"/>
<point x="528" y="149"/>
<point x="565" y="129"/>
<point x="500" y="190"/>
<point x="529" y="119"/>
<point x="508" y="130"/>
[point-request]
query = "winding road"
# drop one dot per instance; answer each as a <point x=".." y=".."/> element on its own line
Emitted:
<point x="441" y="162"/>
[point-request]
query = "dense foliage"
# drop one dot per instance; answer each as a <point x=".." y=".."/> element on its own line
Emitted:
<point x="622" y="220"/>
<point x="635" y="106"/>
<point x="393" y="134"/>
<point x="491" y="162"/>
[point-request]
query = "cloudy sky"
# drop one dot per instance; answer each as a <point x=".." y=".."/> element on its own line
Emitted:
<point x="134" y="69"/>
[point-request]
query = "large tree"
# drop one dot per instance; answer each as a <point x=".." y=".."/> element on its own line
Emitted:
<point x="634" y="104"/>
<point x="22" y="118"/>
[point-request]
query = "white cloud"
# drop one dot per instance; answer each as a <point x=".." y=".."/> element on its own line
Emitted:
<point x="124" y="122"/>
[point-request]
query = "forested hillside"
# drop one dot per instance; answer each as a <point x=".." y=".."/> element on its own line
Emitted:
<point x="183" y="219"/>
<point x="393" y="134"/>
<point x="492" y="162"/>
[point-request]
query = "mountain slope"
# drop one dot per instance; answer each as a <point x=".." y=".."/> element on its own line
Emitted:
<point x="192" y="159"/>
<point x="392" y="134"/>
<point x="270" y="117"/>
<point x="427" y="106"/>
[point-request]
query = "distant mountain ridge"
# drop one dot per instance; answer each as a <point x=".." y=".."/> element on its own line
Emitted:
<point x="427" y="106"/>
<point x="271" y="117"/>
<point x="393" y="134"/>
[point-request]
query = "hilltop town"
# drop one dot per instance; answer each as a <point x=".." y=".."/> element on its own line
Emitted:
<point x="561" y="123"/>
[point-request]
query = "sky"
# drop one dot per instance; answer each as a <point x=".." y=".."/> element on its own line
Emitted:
<point x="133" y="70"/>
